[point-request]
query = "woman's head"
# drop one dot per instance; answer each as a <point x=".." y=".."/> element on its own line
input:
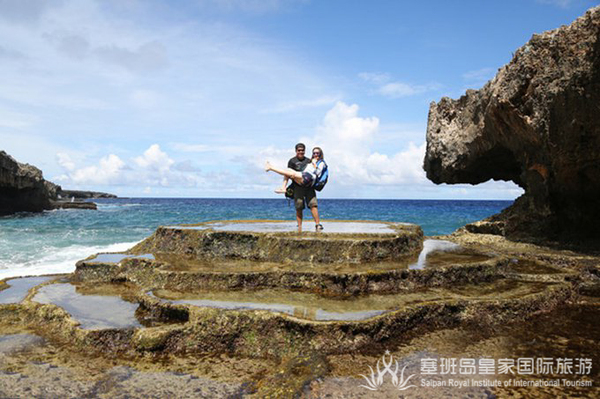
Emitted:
<point x="317" y="152"/>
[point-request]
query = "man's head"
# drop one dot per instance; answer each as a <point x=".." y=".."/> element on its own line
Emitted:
<point x="300" y="150"/>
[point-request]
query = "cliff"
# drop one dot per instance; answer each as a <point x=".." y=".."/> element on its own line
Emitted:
<point x="24" y="189"/>
<point x="536" y="123"/>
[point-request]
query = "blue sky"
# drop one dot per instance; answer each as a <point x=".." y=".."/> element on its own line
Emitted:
<point x="189" y="98"/>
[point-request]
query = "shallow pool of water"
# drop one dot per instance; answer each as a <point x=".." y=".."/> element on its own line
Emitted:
<point x="435" y="253"/>
<point x="117" y="257"/>
<point x="93" y="312"/>
<point x="19" y="287"/>
<point x="314" y="307"/>
<point x="281" y="227"/>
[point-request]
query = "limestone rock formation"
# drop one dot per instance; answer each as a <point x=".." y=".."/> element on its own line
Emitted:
<point x="22" y="187"/>
<point x="536" y="123"/>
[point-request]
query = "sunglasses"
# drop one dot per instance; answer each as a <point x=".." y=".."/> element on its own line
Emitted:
<point x="316" y="153"/>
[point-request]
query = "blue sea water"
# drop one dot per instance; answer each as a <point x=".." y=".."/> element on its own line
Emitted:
<point x="51" y="242"/>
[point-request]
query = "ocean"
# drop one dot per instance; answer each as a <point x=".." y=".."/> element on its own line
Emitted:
<point x="52" y="241"/>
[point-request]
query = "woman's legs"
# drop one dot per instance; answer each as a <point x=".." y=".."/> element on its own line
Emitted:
<point x="292" y="174"/>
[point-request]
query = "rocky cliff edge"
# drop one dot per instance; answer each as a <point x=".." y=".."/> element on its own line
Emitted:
<point x="24" y="189"/>
<point x="536" y="123"/>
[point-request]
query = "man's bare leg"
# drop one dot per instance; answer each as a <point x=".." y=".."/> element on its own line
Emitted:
<point x="299" y="219"/>
<point x="315" y="213"/>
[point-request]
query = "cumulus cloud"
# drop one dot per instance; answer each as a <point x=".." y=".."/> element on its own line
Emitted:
<point x="155" y="159"/>
<point x="108" y="171"/>
<point x="151" y="169"/>
<point x="395" y="89"/>
<point x="347" y="140"/>
<point x="65" y="161"/>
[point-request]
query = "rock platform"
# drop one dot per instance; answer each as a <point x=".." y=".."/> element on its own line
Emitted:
<point x="277" y="241"/>
<point x="231" y="288"/>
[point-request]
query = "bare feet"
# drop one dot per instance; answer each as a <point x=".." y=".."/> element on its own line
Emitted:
<point x="280" y="191"/>
<point x="267" y="166"/>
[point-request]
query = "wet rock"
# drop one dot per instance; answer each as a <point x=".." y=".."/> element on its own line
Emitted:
<point x="150" y="339"/>
<point x="18" y="342"/>
<point x="362" y="281"/>
<point x="536" y="124"/>
<point x="73" y="205"/>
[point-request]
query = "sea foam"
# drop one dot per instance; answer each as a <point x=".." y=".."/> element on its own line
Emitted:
<point x="58" y="261"/>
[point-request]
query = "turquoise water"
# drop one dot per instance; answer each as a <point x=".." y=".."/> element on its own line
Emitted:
<point x="51" y="242"/>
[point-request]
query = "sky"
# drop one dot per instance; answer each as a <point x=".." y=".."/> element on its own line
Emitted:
<point x="147" y="98"/>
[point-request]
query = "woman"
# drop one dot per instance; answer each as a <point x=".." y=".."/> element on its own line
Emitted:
<point x="308" y="176"/>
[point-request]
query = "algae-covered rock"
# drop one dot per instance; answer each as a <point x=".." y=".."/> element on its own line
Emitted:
<point x="209" y="241"/>
<point x="150" y="339"/>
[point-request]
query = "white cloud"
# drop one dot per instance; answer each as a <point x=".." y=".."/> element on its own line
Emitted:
<point x="109" y="171"/>
<point x="65" y="161"/>
<point x="399" y="89"/>
<point x="395" y="89"/>
<point x="558" y="3"/>
<point x="154" y="159"/>
<point x="300" y="104"/>
<point x="375" y="77"/>
<point x="347" y="141"/>
<point x="107" y="59"/>
<point x="154" y="168"/>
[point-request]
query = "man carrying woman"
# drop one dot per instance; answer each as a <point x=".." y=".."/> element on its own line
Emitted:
<point x="304" y="173"/>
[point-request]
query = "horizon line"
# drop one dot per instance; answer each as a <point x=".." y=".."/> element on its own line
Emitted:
<point x="327" y="198"/>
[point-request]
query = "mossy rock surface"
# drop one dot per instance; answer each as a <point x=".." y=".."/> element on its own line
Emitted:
<point x="273" y="241"/>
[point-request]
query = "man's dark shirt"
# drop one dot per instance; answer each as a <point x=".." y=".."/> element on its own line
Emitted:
<point x="298" y="165"/>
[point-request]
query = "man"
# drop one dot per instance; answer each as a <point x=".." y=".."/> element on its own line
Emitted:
<point x="302" y="195"/>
